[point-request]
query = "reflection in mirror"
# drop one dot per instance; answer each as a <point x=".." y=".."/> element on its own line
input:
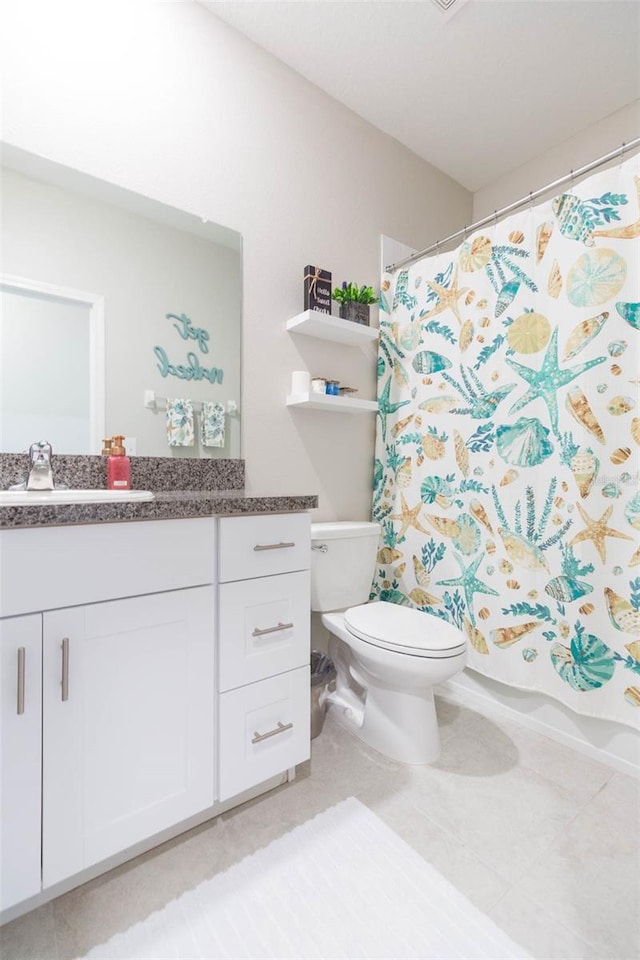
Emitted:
<point x="169" y="289"/>
<point x="45" y="391"/>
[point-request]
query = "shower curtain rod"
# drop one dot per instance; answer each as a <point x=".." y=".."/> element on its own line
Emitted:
<point x="497" y="214"/>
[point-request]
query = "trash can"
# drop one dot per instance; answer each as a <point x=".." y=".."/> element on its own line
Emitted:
<point x="323" y="672"/>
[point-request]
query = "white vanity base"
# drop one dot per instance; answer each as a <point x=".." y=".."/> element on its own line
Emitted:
<point x="70" y="883"/>
<point x="153" y="674"/>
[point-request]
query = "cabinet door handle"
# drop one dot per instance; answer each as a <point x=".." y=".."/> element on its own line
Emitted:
<point x="262" y="633"/>
<point x="21" y="661"/>
<point x="272" y="546"/>
<point x="259" y="737"/>
<point x="65" y="669"/>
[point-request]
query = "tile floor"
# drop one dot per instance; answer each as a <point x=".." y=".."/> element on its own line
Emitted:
<point x="542" y="839"/>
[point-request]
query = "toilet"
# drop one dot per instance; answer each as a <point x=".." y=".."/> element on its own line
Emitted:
<point x="388" y="657"/>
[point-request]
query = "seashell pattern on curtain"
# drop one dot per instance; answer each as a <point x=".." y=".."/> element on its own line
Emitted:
<point x="508" y="445"/>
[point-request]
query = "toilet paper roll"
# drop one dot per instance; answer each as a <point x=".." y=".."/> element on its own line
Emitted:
<point x="300" y="382"/>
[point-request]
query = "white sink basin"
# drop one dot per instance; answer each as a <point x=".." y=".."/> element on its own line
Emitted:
<point x="14" y="498"/>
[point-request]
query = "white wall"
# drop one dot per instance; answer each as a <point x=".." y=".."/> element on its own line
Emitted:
<point x="593" y="142"/>
<point x="166" y="100"/>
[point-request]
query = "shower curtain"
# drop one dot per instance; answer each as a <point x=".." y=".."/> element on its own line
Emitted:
<point x="508" y="442"/>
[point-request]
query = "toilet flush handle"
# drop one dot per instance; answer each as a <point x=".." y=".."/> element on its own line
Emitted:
<point x="320" y="547"/>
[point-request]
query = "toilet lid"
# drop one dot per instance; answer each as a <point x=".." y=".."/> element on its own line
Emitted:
<point x="404" y="629"/>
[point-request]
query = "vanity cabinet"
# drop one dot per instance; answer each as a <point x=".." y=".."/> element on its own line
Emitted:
<point x="263" y="640"/>
<point x="149" y="671"/>
<point x="21" y="721"/>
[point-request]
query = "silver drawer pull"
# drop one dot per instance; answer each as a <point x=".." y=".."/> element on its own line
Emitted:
<point x="21" y="658"/>
<point x="262" y="633"/>
<point x="65" y="669"/>
<point x="259" y="737"/>
<point x="272" y="546"/>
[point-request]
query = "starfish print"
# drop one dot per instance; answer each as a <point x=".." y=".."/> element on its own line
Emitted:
<point x="409" y="517"/>
<point x="469" y="583"/>
<point x="546" y="381"/>
<point x="597" y="530"/>
<point x="385" y="407"/>
<point x="447" y="298"/>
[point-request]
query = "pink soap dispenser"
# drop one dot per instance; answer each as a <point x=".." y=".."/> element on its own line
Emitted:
<point x="118" y="466"/>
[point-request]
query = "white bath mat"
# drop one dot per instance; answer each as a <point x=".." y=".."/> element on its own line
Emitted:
<point x="342" y="885"/>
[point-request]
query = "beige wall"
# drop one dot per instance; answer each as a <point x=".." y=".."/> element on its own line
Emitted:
<point x="596" y="141"/>
<point x="164" y="99"/>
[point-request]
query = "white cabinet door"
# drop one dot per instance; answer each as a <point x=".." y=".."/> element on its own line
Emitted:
<point x="20" y="716"/>
<point x="128" y="723"/>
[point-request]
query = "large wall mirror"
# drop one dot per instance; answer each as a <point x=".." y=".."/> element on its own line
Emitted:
<point x="114" y="307"/>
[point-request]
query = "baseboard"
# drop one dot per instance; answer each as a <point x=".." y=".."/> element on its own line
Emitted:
<point x="485" y="702"/>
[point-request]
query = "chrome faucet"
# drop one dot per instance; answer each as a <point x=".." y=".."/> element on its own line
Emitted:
<point x="40" y="474"/>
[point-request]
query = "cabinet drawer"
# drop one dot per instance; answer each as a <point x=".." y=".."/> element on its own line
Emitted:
<point x="263" y="628"/>
<point x="266" y="730"/>
<point x="261" y="546"/>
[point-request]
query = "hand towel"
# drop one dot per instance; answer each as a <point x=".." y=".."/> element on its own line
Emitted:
<point x="180" y="429"/>
<point x="212" y="424"/>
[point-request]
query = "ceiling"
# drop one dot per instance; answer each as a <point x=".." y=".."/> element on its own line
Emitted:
<point x="477" y="91"/>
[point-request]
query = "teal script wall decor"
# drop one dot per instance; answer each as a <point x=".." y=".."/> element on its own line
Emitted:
<point x="193" y="372"/>
<point x="188" y="332"/>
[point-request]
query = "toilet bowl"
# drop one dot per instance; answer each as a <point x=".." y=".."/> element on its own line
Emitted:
<point x="388" y="657"/>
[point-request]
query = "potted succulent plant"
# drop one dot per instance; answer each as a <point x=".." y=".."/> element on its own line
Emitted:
<point x="354" y="301"/>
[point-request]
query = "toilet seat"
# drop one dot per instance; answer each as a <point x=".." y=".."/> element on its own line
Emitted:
<point x="404" y="630"/>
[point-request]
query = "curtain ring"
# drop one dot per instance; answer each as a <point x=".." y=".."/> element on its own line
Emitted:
<point x="571" y="180"/>
<point x="622" y="149"/>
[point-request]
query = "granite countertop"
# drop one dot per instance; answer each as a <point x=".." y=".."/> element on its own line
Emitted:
<point x="167" y="505"/>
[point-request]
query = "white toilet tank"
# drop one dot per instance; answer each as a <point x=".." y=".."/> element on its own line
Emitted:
<point x="343" y="562"/>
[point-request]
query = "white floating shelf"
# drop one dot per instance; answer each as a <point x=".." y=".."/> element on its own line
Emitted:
<point x="331" y="404"/>
<point x="313" y="323"/>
